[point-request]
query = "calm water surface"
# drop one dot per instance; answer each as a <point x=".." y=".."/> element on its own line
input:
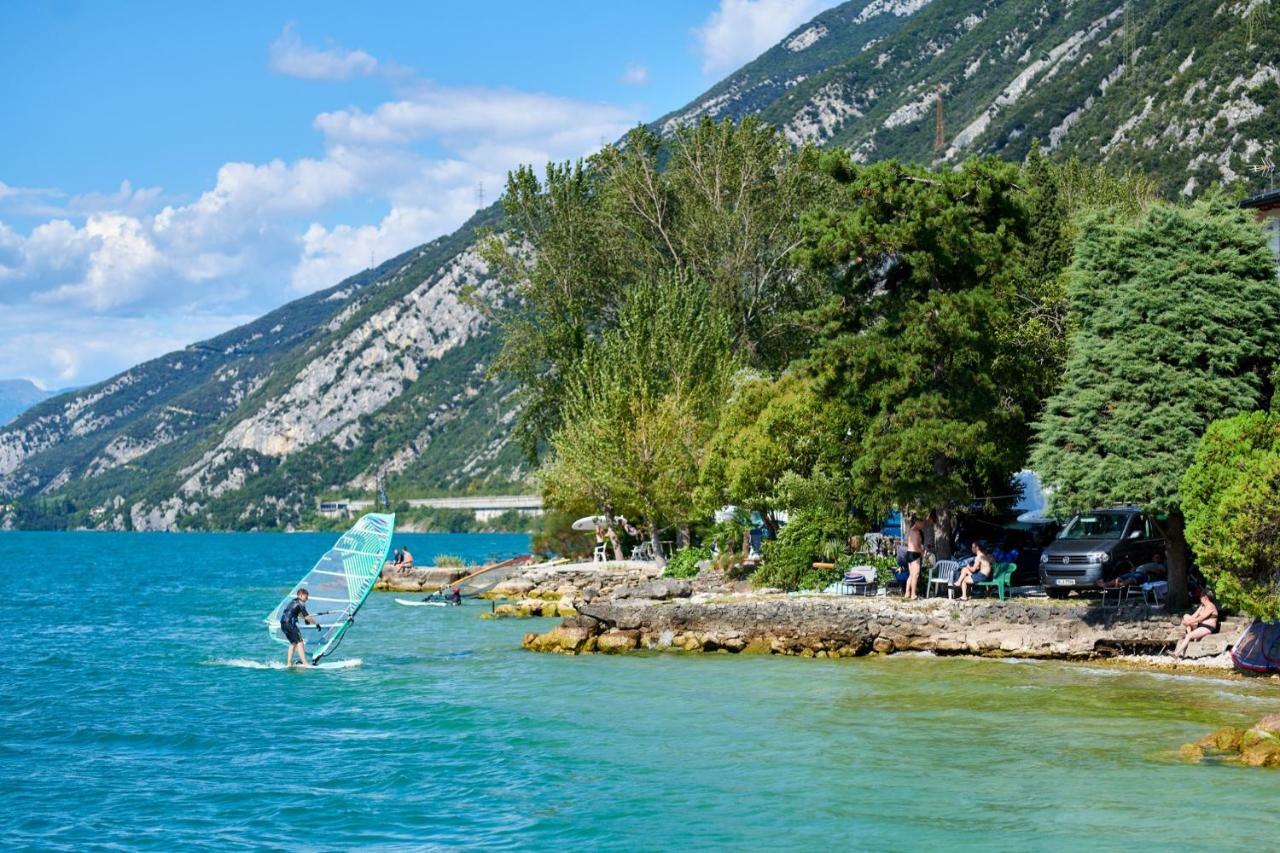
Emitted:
<point x="130" y="717"/>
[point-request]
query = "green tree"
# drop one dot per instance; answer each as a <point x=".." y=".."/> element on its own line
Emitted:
<point x="717" y="203"/>
<point x="640" y="406"/>
<point x="767" y="430"/>
<point x="1176" y="318"/>
<point x="923" y="357"/>
<point x="1230" y="496"/>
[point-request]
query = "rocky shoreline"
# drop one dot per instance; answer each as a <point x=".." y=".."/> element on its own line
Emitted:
<point x="614" y="608"/>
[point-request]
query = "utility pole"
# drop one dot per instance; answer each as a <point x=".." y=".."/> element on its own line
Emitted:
<point x="939" y="141"/>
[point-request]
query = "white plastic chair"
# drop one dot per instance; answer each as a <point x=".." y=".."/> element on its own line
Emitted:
<point x="942" y="573"/>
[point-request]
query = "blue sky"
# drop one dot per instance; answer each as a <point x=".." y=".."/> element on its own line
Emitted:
<point x="169" y="170"/>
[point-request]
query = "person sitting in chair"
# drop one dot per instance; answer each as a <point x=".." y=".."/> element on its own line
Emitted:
<point x="979" y="571"/>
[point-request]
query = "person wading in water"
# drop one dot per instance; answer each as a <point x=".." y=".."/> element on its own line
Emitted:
<point x="289" y="627"/>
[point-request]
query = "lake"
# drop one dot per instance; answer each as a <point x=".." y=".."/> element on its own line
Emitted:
<point x="137" y="710"/>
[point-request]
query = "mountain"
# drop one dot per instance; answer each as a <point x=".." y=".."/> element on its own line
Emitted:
<point x="1186" y="91"/>
<point x="18" y="395"/>
<point x="383" y="377"/>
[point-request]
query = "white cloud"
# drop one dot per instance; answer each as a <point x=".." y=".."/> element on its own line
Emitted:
<point x="740" y="30"/>
<point x="265" y="232"/>
<point x="291" y="57"/>
<point x="635" y="74"/>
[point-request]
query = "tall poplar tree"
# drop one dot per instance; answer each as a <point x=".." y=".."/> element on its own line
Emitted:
<point x="1177" y="323"/>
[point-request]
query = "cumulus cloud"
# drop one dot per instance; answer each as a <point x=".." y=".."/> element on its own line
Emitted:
<point x="290" y="56"/>
<point x="635" y="74"/>
<point x="740" y="30"/>
<point x="265" y="232"/>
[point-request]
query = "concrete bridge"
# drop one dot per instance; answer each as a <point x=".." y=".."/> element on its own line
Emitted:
<point x="484" y="507"/>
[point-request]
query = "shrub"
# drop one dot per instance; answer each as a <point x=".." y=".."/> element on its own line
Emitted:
<point x="788" y="560"/>
<point x="684" y="563"/>
<point x="1229" y="496"/>
<point x="448" y="561"/>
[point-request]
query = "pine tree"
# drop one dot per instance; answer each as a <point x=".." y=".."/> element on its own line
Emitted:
<point x="1175" y="316"/>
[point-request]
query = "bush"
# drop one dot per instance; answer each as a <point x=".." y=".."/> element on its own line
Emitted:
<point x="1229" y="497"/>
<point x="448" y="561"/>
<point x="684" y="563"/>
<point x="788" y="560"/>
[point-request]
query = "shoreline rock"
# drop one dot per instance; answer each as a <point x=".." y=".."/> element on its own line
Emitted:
<point x="1257" y="746"/>
<point x="665" y="615"/>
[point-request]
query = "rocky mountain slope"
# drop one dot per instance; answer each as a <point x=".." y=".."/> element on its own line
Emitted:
<point x="382" y="378"/>
<point x="1186" y="90"/>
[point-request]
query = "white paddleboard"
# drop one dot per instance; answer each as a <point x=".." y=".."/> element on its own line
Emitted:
<point x="408" y="603"/>
<point x="243" y="663"/>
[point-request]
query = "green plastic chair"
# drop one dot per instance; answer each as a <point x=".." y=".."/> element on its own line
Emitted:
<point x="1002" y="578"/>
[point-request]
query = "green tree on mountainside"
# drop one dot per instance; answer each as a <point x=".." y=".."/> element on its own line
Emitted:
<point x="639" y="406"/>
<point x="929" y="275"/>
<point x="1175" y="319"/>
<point x="1230" y="496"/>
<point x="717" y="203"/>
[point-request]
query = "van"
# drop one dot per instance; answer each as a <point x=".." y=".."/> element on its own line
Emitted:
<point x="1099" y="546"/>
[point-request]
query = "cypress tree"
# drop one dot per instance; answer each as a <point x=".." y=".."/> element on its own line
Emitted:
<point x="1175" y="316"/>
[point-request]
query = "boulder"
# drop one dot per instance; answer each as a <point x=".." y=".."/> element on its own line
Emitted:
<point x="658" y="590"/>
<point x="615" y="641"/>
<point x="506" y="610"/>
<point x="512" y="588"/>
<point x="562" y="640"/>
<point x="1262" y="753"/>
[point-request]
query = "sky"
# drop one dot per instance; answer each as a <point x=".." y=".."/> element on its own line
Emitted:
<point x="169" y="171"/>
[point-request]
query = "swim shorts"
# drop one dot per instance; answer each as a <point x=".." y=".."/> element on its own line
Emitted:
<point x="291" y="632"/>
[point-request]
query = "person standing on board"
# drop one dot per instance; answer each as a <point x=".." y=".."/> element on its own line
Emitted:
<point x="289" y="626"/>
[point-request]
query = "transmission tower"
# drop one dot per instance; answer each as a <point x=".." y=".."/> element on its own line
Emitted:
<point x="939" y="141"/>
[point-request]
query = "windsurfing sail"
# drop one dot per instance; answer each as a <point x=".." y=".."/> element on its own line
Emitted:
<point x="1259" y="649"/>
<point x="487" y="577"/>
<point x="339" y="583"/>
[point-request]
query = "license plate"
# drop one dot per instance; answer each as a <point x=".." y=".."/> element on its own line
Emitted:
<point x="1066" y="582"/>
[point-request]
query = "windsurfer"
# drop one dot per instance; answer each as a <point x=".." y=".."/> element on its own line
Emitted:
<point x="289" y="627"/>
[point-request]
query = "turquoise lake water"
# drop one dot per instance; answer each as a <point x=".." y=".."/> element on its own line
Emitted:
<point x="130" y="716"/>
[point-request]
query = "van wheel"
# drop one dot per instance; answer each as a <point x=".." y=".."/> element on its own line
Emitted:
<point x="1057" y="593"/>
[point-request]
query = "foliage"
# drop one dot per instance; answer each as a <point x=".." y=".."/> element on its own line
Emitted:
<point x="1230" y="495"/>
<point x="767" y="430"/>
<point x="813" y="534"/>
<point x="449" y="561"/>
<point x="554" y="536"/>
<point x="935" y="389"/>
<point x="639" y="405"/>
<point x="717" y="203"/>
<point x="1176" y="317"/>
<point x="684" y="563"/>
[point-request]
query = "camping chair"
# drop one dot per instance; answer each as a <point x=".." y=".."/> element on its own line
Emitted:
<point x="942" y="574"/>
<point x="1001" y="578"/>
<point x="601" y="553"/>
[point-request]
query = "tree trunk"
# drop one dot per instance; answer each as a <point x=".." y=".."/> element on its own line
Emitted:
<point x="943" y="533"/>
<point x="684" y="536"/>
<point x="770" y="523"/>
<point x="658" y="556"/>
<point x="1177" y="558"/>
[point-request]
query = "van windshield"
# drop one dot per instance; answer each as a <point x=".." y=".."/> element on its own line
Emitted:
<point x="1096" y="525"/>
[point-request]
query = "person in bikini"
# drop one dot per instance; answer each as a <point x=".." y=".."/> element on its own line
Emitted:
<point x="1200" y="624"/>
<point x="978" y="571"/>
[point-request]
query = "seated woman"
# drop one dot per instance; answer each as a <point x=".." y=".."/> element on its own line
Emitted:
<point x="976" y="572"/>
<point x="1200" y="624"/>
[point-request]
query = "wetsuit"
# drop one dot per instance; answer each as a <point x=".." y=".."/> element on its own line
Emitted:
<point x="293" y="611"/>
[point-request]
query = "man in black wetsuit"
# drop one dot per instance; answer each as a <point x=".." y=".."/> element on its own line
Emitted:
<point x="289" y="627"/>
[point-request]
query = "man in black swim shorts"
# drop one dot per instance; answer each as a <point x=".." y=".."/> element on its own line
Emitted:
<point x="289" y="626"/>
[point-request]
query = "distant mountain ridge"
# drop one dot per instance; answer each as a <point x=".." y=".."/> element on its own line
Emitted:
<point x="383" y="378"/>
<point x="18" y="395"/>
